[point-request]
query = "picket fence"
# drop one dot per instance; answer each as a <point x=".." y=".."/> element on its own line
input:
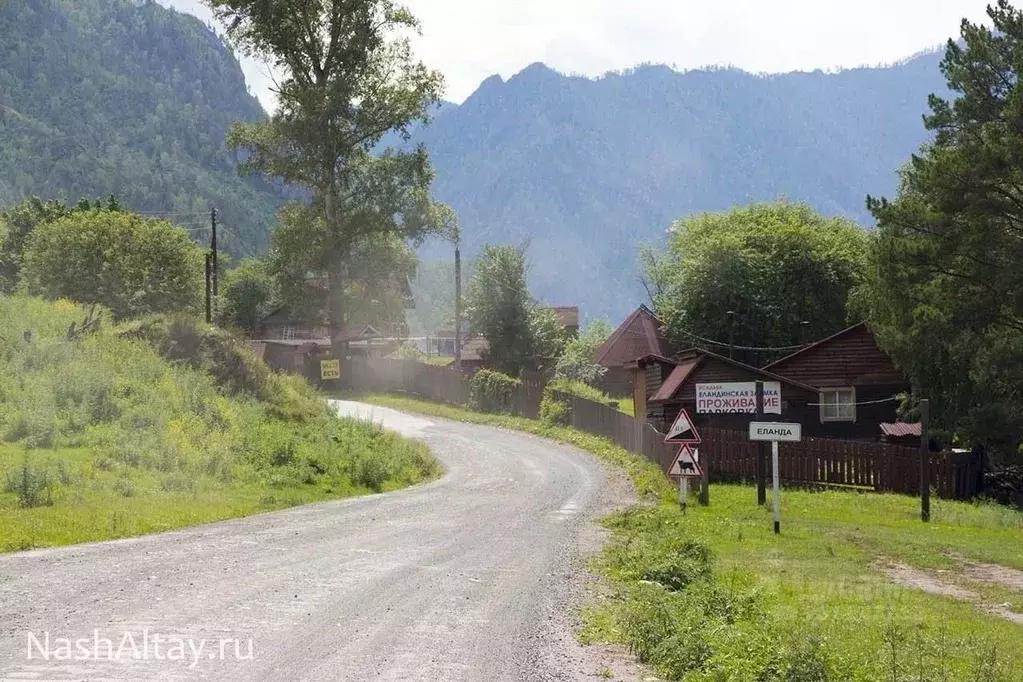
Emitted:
<point x="729" y="455"/>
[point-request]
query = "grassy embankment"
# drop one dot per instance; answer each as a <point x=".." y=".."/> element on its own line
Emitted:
<point x="584" y="390"/>
<point x="161" y="424"/>
<point x="713" y="594"/>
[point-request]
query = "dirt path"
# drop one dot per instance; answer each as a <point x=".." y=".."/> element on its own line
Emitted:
<point x="915" y="578"/>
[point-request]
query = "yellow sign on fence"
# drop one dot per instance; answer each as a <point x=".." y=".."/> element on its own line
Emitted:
<point x="330" y="369"/>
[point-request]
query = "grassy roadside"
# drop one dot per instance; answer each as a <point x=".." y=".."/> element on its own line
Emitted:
<point x="164" y="423"/>
<point x="715" y="595"/>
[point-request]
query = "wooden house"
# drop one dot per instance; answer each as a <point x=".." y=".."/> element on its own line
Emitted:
<point x="666" y="395"/>
<point x="851" y="372"/>
<point x="840" y="387"/>
<point x="639" y="336"/>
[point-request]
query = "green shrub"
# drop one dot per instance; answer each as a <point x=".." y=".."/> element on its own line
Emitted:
<point x="491" y="391"/>
<point x="31" y="487"/>
<point x="555" y="412"/>
<point x="554" y="409"/>
<point x="581" y="390"/>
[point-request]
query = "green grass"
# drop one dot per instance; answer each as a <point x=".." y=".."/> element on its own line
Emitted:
<point x="628" y="406"/>
<point x="161" y="424"/>
<point x="440" y="361"/>
<point x="714" y="594"/>
<point x="584" y="390"/>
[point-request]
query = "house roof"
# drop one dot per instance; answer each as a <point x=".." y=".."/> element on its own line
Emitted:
<point x="638" y="336"/>
<point x="357" y="333"/>
<point x="694" y="357"/>
<point x="817" y="344"/>
<point x="675" y="379"/>
<point x="901" y="429"/>
<point x="646" y="359"/>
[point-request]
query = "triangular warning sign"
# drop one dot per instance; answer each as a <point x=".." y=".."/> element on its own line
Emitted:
<point x="683" y="430"/>
<point x="685" y="464"/>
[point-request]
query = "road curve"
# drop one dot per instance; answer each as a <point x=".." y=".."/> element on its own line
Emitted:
<point x="459" y="579"/>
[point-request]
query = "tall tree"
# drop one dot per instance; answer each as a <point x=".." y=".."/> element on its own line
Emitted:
<point x="773" y="265"/>
<point x="576" y="362"/>
<point x="348" y="78"/>
<point x="377" y="275"/>
<point x="17" y="223"/>
<point x="120" y="260"/>
<point x="247" y="293"/>
<point x="945" y="293"/>
<point x="520" y="333"/>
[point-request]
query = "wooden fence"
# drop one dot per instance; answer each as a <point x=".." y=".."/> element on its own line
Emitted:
<point x="730" y="455"/>
<point x="822" y="461"/>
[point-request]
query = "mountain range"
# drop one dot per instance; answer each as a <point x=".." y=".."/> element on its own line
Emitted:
<point x="589" y="169"/>
<point x="126" y="97"/>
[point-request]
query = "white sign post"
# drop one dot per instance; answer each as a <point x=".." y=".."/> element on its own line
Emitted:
<point x="775" y="432"/>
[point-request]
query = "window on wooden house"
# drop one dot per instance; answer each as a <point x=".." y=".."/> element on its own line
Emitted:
<point x="287" y="332"/>
<point x="838" y="405"/>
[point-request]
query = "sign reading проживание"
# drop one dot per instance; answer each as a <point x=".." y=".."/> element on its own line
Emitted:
<point x="791" y="433"/>
<point x="737" y="397"/>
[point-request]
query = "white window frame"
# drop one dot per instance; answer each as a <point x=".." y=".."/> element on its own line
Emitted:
<point x="287" y="332"/>
<point x="850" y="402"/>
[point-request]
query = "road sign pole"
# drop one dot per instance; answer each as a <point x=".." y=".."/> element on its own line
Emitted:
<point x="777" y="487"/>
<point x="925" y="463"/>
<point x="704" y="479"/>
<point x="683" y="492"/>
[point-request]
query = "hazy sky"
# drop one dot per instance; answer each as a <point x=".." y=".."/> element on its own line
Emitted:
<point x="469" y="40"/>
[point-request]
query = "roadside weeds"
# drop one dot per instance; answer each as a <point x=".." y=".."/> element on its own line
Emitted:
<point x="812" y="604"/>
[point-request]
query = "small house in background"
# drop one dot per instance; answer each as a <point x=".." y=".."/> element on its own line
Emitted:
<point x="284" y="324"/>
<point x="568" y="315"/>
<point x="292" y="355"/>
<point x="639" y="336"/>
<point x="473" y="350"/>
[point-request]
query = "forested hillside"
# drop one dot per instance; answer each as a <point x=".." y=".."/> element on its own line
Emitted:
<point x="587" y="169"/>
<point x="101" y="97"/>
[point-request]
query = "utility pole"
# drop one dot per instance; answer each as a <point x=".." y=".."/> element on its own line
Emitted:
<point x="209" y="288"/>
<point x="761" y="465"/>
<point x="925" y="462"/>
<point x="458" y="306"/>
<point x="731" y="335"/>
<point x="213" y="249"/>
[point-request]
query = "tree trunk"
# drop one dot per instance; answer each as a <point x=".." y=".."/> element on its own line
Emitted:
<point x="335" y="281"/>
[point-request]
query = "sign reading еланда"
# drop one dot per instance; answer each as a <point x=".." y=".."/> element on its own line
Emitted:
<point x="737" y="397"/>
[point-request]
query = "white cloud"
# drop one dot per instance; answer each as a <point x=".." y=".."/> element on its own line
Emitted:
<point x="469" y="40"/>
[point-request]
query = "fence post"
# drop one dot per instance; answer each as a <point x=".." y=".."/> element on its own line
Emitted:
<point x="925" y="463"/>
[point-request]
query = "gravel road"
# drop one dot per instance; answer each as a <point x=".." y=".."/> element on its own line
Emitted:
<point x="465" y="578"/>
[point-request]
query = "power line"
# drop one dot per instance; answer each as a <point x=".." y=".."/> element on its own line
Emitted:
<point x="725" y="344"/>
<point x="864" y="402"/>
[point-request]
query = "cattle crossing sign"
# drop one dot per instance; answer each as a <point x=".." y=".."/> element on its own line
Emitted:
<point x="686" y="465"/>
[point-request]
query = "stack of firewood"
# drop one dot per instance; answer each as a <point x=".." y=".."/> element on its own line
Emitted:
<point x="1005" y="484"/>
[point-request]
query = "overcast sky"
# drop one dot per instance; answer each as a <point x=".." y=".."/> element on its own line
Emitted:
<point x="469" y="40"/>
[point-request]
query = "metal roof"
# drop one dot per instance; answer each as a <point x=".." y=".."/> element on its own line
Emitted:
<point x="638" y="336"/>
<point x="695" y="355"/>
<point x="675" y="379"/>
<point x="901" y="429"/>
